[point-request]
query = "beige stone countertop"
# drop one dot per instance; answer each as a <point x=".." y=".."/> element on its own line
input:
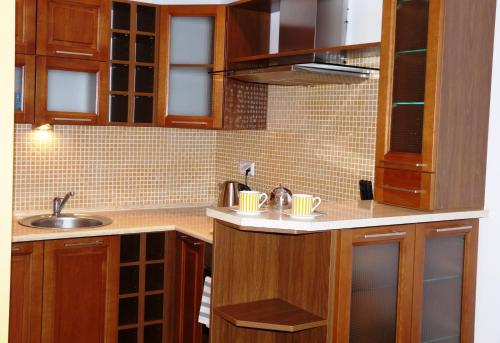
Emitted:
<point x="191" y="221"/>
<point x="338" y="215"/>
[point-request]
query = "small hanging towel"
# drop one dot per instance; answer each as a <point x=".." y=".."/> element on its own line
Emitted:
<point x="204" y="317"/>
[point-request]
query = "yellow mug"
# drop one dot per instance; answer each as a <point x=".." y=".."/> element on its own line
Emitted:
<point x="304" y="204"/>
<point x="251" y="201"/>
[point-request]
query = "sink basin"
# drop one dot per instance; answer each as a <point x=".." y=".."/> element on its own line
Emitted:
<point x="65" y="221"/>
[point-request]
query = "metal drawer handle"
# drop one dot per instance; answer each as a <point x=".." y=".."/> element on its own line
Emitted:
<point x="16" y="249"/>
<point x="72" y="119"/>
<point x="453" y="229"/>
<point x="399" y="189"/>
<point x="189" y="122"/>
<point x="386" y="235"/>
<point x="74" y="53"/>
<point x="405" y="163"/>
<point x="83" y="244"/>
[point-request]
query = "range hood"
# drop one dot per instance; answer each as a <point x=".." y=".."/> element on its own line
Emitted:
<point x="308" y="42"/>
<point x="304" y="74"/>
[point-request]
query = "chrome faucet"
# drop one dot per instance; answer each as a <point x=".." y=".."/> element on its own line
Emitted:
<point x="59" y="202"/>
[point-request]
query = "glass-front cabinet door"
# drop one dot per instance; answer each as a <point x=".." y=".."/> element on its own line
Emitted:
<point x="194" y="50"/>
<point x="24" y="91"/>
<point x="374" y="285"/>
<point x="444" y="291"/>
<point x="133" y="64"/>
<point x="71" y="91"/>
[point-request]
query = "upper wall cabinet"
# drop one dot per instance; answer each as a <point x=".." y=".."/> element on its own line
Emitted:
<point x="25" y="26"/>
<point x="193" y="49"/>
<point x="71" y="91"/>
<point x="133" y="66"/>
<point x="24" y="91"/>
<point x="75" y="29"/>
<point x="434" y="103"/>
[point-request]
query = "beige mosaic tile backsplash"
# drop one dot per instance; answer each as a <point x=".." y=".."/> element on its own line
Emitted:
<point x="113" y="167"/>
<point x="320" y="140"/>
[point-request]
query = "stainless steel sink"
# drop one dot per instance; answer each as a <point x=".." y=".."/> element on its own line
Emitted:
<point x="68" y="221"/>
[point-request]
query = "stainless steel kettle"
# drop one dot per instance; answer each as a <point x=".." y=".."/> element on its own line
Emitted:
<point x="229" y="193"/>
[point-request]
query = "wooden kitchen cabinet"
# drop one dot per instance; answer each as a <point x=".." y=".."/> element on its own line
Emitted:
<point x="24" y="92"/>
<point x="434" y="103"/>
<point x="70" y="91"/>
<point x="444" y="284"/>
<point x="26" y="292"/>
<point x="374" y="285"/>
<point x="190" y="261"/>
<point x="73" y="28"/>
<point x="25" y="27"/>
<point x="192" y="49"/>
<point x="134" y="64"/>
<point x="80" y="293"/>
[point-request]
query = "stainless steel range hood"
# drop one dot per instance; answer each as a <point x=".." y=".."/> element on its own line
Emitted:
<point x="304" y="74"/>
<point x="311" y="42"/>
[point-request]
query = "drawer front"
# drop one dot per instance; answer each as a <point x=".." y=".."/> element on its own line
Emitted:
<point x="404" y="188"/>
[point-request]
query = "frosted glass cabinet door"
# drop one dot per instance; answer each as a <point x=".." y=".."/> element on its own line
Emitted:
<point x="375" y="282"/>
<point x="443" y="282"/>
<point x="190" y="91"/>
<point x="191" y="40"/>
<point x="71" y="91"/>
<point x="19" y="89"/>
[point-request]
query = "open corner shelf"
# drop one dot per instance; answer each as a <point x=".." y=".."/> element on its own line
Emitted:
<point x="271" y="314"/>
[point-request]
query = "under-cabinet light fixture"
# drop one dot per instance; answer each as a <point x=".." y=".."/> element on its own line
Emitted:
<point x="43" y="127"/>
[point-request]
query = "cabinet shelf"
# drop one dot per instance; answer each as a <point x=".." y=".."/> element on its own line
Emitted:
<point x="407" y="103"/>
<point x="272" y="314"/>
<point x="444" y="278"/>
<point x="413" y="51"/>
<point x="441" y="339"/>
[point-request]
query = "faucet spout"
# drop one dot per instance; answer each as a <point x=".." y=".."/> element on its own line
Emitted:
<point x="59" y="202"/>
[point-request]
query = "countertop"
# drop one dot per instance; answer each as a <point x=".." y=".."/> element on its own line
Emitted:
<point x="339" y="215"/>
<point x="191" y="221"/>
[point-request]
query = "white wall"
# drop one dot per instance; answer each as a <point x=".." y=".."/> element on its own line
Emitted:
<point x="6" y="151"/>
<point x="488" y="285"/>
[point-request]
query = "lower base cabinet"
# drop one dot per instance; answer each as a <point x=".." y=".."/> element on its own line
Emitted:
<point x="26" y="292"/>
<point x="80" y="290"/>
<point x="190" y="265"/>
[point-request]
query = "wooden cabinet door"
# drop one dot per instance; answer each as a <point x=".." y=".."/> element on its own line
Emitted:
<point x="26" y="293"/>
<point x="25" y="26"/>
<point x="70" y="91"/>
<point x="73" y="28"/>
<point x="374" y="284"/>
<point x="445" y="278"/>
<point x="187" y="68"/>
<point x="190" y="254"/>
<point x="80" y="291"/>
<point x="24" y="94"/>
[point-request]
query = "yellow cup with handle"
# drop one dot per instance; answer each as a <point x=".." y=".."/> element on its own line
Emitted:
<point x="304" y="204"/>
<point x="251" y="201"/>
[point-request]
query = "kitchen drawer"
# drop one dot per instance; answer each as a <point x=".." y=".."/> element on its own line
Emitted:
<point x="404" y="188"/>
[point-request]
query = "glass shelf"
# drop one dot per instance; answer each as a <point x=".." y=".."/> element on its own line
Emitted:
<point x="444" y="278"/>
<point x="442" y="339"/>
<point x="410" y="103"/>
<point x="413" y="51"/>
<point x="374" y="289"/>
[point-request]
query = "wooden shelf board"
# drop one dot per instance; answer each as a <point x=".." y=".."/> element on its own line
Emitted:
<point x="272" y="314"/>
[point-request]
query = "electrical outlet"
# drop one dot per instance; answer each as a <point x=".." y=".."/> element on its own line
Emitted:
<point x="244" y="165"/>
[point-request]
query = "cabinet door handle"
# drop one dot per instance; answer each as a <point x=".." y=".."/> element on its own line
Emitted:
<point x="16" y="249"/>
<point x="189" y="122"/>
<point x="189" y="240"/>
<point x="83" y="244"/>
<point x="74" y="53"/>
<point x="72" y="119"/>
<point x="400" y="189"/>
<point x="386" y="235"/>
<point x="453" y="229"/>
<point x="414" y="164"/>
